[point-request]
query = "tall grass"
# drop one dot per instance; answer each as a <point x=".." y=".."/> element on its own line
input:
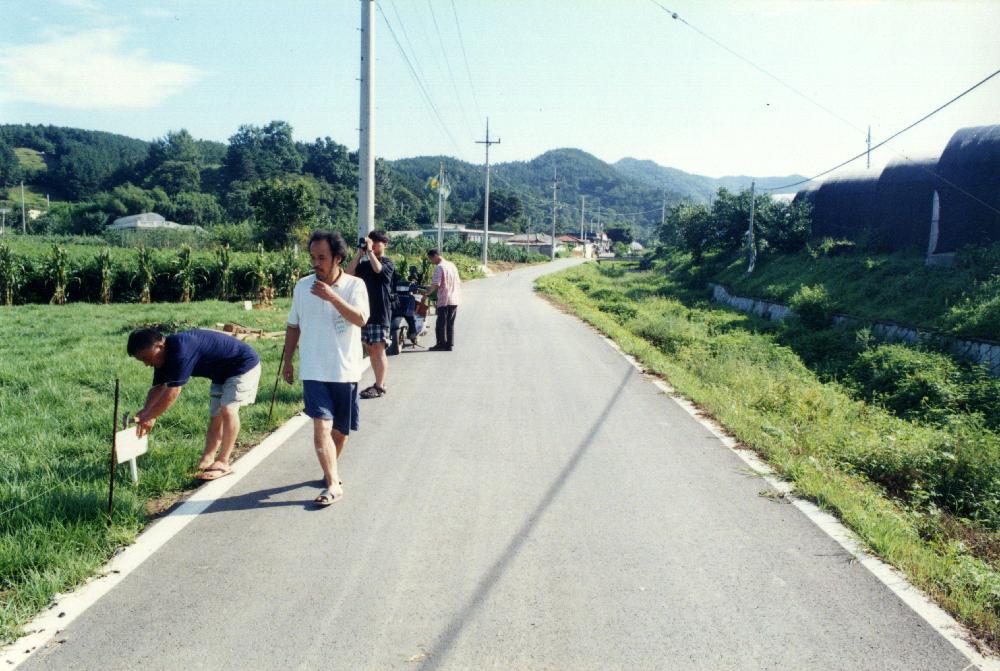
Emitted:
<point x="56" y="394"/>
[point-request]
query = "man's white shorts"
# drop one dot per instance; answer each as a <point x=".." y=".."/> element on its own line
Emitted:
<point x="237" y="390"/>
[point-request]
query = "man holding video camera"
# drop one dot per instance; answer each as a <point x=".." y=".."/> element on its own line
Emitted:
<point x="376" y="270"/>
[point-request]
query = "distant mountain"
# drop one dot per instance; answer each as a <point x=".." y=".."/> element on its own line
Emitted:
<point x="615" y="197"/>
<point x="698" y="188"/>
<point x="629" y="191"/>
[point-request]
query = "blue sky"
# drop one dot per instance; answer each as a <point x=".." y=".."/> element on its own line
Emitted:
<point x="613" y="77"/>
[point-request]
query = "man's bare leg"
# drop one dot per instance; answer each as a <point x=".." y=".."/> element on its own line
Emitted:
<point x="327" y="449"/>
<point x="380" y="362"/>
<point x="229" y="421"/>
<point x="230" y="415"/>
<point x="213" y="437"/>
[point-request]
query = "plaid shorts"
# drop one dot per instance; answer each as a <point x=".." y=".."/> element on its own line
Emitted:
<point x="373" y="333"/>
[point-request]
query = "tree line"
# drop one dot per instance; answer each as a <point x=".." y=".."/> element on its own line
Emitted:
<point x="264" y="186"/>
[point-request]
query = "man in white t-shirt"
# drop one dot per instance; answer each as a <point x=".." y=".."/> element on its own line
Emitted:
<point x="328" y="310"/>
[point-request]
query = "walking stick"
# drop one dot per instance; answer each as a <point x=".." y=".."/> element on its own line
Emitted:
<point x="274" y="393"/>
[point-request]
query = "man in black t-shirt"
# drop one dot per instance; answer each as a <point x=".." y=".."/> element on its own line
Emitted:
<point x="376" y="270"/>
<point x="231" y="365"/>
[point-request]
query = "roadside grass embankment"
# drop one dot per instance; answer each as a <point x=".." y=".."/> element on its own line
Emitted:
<point x="57" y="371"/>
<point x="922" y="493"/>
<point x="961" y="300"/>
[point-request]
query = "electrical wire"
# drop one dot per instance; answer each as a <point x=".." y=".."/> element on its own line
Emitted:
<point x="890" y="138"/>
<point x="406" y="36"/>
<point x="451" y="75"/>
<point x="465" y="57"/>
<point x="766" y="72"/>
<point x="417" y="79"/>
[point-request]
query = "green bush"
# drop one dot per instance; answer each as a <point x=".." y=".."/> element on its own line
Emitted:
<point x="908" y="381"/>
<point x="813" y="306"/>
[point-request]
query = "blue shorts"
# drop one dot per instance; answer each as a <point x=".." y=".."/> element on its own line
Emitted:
<point x="333" y="400"/>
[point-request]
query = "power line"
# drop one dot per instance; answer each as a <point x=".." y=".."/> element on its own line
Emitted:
<point x="465" y="57"/>
<point x="406" y="36"/>
<point x="417" y="79"/>
<point x="451" y="75"/>
<point x="891" y="137"/>
<point x="746" y="60"/>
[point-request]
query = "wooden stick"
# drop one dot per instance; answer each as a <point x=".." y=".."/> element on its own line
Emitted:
<point x="274" y="393"/>
<point x="114" y="452"/>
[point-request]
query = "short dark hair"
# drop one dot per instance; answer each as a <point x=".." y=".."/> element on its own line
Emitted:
<point x="433" y="252"/>
<point x="142" y="339"/>
<point x="378" y="236"/>
<point x="336" y="241"/>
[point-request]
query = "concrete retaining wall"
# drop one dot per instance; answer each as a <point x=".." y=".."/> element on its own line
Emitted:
<point x="983" y="352"/>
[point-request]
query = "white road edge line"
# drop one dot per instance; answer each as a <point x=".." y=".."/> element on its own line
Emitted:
<point x="920" y="603"/>
<point x="67" y="607"/>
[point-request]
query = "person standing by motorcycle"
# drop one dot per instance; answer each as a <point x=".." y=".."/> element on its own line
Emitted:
<point x="376" y="270"/>
<point x="448" y="286"/>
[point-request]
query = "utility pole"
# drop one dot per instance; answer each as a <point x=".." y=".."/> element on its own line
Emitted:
<point x="750" y="236"/>
<point x="555" y="187"/>
<point x="583" y="206"/>
<point x="366" y="154"/>
<point x="600" y="231"/>
<point x="868" y="157"/>
<point x="440" y="190"/>
<point x="663" y="210"/>
<point x="24" y="217"/>
<point x="486" y="205"/>
<point x="3" y="219"/>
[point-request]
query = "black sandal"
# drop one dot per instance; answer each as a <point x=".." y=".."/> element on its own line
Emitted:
<point x="373" y="391"/>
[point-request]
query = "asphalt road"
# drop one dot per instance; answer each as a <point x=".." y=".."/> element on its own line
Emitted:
<point x="528" y="501"/>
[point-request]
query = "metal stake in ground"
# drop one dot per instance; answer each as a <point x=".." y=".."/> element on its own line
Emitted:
<point x="114" y="452"/>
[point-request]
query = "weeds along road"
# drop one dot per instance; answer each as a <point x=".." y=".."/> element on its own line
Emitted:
<point x="527" y="501"/>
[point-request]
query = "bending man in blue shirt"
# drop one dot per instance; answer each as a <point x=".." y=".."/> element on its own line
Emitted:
<point x="231" y="365"/>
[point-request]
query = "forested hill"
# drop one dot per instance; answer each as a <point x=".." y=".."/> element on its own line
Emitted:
<point x="698" y="188"/>
<point x="526" y="186"/>
<point x="266" y="183"/>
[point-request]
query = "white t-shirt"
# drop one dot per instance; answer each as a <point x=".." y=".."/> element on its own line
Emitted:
<point x="329" y="345"/>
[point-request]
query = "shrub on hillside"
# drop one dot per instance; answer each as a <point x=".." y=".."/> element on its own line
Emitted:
<point x="813" y="306"/>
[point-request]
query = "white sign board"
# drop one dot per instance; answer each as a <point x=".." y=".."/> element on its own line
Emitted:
<point x="128" y="445"/>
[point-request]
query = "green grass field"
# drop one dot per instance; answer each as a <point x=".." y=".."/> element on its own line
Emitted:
<point x="31" y="160"/>
<point x="57" y="371"/>
<point x="920" y="494"/>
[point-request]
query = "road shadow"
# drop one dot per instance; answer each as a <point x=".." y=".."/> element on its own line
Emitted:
<point x="260" y="499"/>
<point x="446" y="640"/>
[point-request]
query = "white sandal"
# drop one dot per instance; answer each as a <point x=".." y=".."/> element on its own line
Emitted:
<point x="328" y="497"/>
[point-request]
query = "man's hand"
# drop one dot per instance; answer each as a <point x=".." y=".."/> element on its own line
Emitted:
<point x="143" y="426"/>
<point x="323" y="290"/>
<point x="288" y="373"/>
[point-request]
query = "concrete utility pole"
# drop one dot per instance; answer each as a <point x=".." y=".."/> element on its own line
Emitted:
<point x="366" y="126"/>
<point x="440" y="190"/>
<point x="486" y="205"/>
<point x="24" y="216"/>
<point x="555" y="187"/>
<point x="583" y="206"/>
<point x="750" y="236"/>
<point x="663" y="210"/>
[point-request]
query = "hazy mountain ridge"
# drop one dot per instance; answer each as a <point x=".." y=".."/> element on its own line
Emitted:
<point x="699" y="188"/>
